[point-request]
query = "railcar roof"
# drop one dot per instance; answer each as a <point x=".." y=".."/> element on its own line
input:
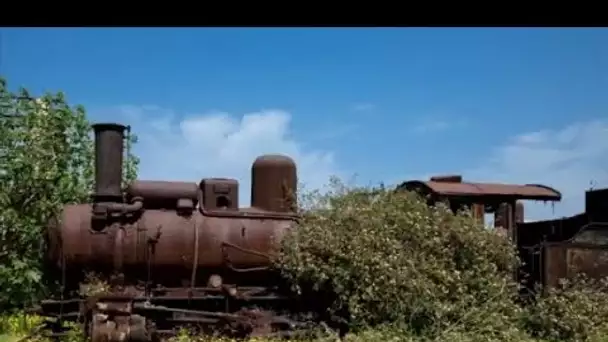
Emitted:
<point x="467" y="189"/>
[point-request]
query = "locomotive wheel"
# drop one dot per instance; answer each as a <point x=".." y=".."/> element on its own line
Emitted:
<point x="258" y="323"/>
<point x="100" y="328"/>
<point x="131" y="328"/>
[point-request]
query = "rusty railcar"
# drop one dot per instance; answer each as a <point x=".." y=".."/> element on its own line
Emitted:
<point x="505" y="201"/>
<point x="566" y="247"/>
<point x="549" y="250"/>
<point x="172" y="252"/>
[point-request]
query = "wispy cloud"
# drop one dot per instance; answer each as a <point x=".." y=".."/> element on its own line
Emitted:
<point x="218" y="144"/>
<point x="431" y="126"/>
<point x="363" y="107"/>
<point x="569" y="159"/>
<point x="333" y="133"/>
<point x="437" y="124"/>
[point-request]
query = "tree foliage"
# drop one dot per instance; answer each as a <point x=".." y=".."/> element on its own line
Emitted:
<point x="46" y="161"/>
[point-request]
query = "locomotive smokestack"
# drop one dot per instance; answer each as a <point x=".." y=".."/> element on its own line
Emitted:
<point x="108" y="161"/>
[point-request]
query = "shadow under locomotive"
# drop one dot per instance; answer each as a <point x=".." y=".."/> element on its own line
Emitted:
<point x="174" y="253"/>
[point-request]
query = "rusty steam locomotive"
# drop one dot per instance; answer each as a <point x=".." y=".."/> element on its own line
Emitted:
<point x="174" y="251"/>
<point x="178" y="253"/>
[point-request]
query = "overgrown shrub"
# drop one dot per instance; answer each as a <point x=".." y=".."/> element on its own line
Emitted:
<point x="577" y="310"/>
<point x="390" y="258"/>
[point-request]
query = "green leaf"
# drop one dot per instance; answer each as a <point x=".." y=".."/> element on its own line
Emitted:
<point x="46" y="161"/>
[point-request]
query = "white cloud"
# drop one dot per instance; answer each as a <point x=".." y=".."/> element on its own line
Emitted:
<point x="569" y="159"/>
<point x="333" y="132"/>
<point x="433" y="125"/>
<point x="219" y="144"/>
<point x="363" y="107"/>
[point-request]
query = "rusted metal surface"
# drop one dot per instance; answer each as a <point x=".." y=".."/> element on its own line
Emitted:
<point x="183" y="240"/>
<point x="590" y="261"/>
<point x="596" y="205"/>
<point x="447" y="178"/>
<point x="562" y="248"/>
<point x="482" y="198"/>
<point x="592" y="234"/>
<point x="566" y="261"/>
<point x="117" y="317"/>
<point x="220" y="193"/>
<point x="523" y="192"/>
<point x="238" y="243"/>
<point x="519" y="212"/>
<point x="162" y="194"/>
<point x="554" y="265"/>
<point x="273" y="179"/>
<point x="504" y="210"/>
<point x="172" y="235"/>
<point x="539" y="265"/>
<point x="108" y="159"/>
<point x="533" y="237"/>
<point x="478" y="211"/>
<point x="585" y="253"/>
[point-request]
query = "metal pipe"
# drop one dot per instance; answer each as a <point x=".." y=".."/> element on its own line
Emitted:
<point x="109" y="140"/>
<point x="136" y="205"/>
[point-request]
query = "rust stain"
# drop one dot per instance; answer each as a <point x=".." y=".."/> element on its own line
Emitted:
<point x="592" y="262"/>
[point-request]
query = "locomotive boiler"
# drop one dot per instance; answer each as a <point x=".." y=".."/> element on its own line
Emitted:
<point x="172" y="252"/>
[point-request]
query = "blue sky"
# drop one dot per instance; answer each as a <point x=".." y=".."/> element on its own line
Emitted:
<point x="508" y="105"/>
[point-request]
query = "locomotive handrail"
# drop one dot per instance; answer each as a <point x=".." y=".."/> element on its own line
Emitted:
<point x="244" y="250"/>
<point x="195" y="261"/>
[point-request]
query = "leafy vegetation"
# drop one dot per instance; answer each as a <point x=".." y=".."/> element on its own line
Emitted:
<point x="404" y="271"/>
<point x="390" y="258"/>
<point x="46" y="161"/>
<point x="574" y="311"/>
<point x="387" y="266"/>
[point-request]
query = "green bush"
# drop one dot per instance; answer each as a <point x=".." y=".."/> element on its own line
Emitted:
<point x="390" y="259"/>
<point x="46" y="161"/>
<point x="24" y="327"/>
<point x="577" y="310"/>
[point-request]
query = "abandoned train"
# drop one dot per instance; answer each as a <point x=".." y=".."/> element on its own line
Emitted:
<point x="564" y="248"/>
<point x="172" y="248"/>
<point x="550" y="249"/>
<point x="185" y="253"/>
